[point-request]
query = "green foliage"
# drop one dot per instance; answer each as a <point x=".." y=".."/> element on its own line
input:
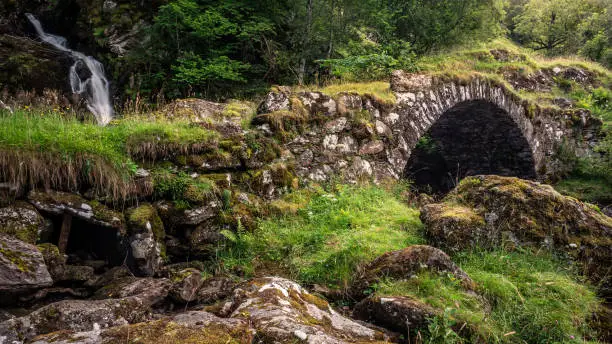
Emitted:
<point x="331" y="234"/>
<point x="522" y="297"/>
<point x="434" y="24"/>
<point x="532" y="294"/>
<point x="363" y="68"/>
<point x="565" y="27"/>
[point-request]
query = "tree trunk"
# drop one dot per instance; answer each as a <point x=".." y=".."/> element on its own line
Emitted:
<point x="305" y="42"/>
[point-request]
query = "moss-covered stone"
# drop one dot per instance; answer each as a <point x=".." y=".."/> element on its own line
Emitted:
<point x="22" y="221"/>
<point x="493" y="211"/>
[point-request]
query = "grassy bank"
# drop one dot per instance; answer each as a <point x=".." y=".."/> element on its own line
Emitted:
<point x="46" y="147"/>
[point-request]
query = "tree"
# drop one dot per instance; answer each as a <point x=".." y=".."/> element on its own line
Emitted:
<point x="428" y="24"/>
<point x="552" y="25"/>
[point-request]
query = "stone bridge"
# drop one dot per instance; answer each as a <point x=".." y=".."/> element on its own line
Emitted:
<point x="438" y="131"/>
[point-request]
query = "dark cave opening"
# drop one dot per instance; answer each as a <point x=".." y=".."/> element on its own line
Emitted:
<point x="92" y="245"/>
<point x="474" y="137"/>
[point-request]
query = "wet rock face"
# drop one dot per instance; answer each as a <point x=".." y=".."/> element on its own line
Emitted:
<point x="406" y="263"/>
<point x="398" y="313"/>
<point x="283" y="312"/>
<point x="22" y="266"/>
<point x="491" y="211"/>
<point x="22" y="221"/>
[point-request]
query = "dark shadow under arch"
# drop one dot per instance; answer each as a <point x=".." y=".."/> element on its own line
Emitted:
<point x="473" y="137"/>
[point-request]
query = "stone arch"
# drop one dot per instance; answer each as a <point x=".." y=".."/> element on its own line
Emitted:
<point x="423" y="100"/>
<point x="473" y="137"/>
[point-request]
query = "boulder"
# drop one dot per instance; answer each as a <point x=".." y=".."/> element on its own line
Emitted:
<point x="349" y="103"/>
<point x="21" y="220"/>
<point x="406" y="263"/>
<point x="109" y="276"/>
<point x="58" y="203"/>
<point x="154" y="289"/>
<point x="494" y="211"/>
<point x="215" y="288"/>
<point x="146" y="238"/>
<point x="85" y="315"/>
<point x="283" y="312"/>
<point x="185" y="285"/>
<point x="398" y="313"/>
<point x="22" y="266"/>
<point x="188" y="327"/>
<point x="372" y="147"/>
<point x="275" y="101"/>
<point x="318" y="103"/>
<point x="56" y="264"/>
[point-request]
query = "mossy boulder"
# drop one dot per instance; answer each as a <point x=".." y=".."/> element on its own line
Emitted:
<point x="60" y="272"/>
<point x="404" y="264"/>
<point x="21" y="266"/>
<point x="185" y="284"/>
<point x="281" y="311"/>
<point x="21" y="220"/>
<point x="398" y="313"/>
<point x="494" y="211"/>
<point x="156" y="288"/>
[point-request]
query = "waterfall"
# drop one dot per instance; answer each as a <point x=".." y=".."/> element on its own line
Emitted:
<point x="94" y="87"/>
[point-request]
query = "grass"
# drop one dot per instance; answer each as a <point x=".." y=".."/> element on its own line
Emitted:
<point x="379" y="89"/>
<point x="57" y="142"/>
<point x="587" y="188"/>
<point x="331" y="234"/>
<point x="527" y="297"/>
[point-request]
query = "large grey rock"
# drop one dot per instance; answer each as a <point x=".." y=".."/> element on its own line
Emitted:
<point x="284" y="312"/>
<point x="198" y="215"/>
<point x="185" y="285"/>
<point x="21" y="266"/>
<point x="318" y="103"/>
<point x="86" y="315"/>
<point x="275" y="101"/>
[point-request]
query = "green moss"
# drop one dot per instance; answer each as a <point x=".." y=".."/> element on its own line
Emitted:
<point x="139" y="217"/>
<point x="17" y="258"/>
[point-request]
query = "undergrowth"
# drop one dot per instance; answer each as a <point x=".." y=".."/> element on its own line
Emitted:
<point x="523" y="297"/>
<point x="326" y="235"/>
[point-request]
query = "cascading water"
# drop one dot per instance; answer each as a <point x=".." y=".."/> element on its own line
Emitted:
<point x="94" y="87"/>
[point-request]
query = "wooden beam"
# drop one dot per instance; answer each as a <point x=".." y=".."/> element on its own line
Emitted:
<point x="64" y="233"/>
